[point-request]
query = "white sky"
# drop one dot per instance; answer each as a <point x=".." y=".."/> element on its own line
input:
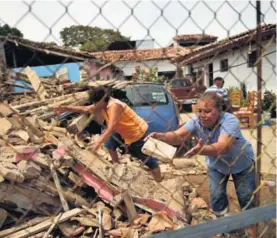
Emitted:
<point x="35" y="19"/>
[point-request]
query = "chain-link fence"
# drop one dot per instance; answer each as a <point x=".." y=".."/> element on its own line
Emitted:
<point x="132" y="119"/>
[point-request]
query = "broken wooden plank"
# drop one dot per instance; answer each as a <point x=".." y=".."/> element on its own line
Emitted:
<point x="36" y="83"/>
<point x="29" y="223"/>
<point x="130" y="207"/>
<point x="76" y="96"/>
<point x="101" y="235"/>
<point x="45" y="224"/>
<point x="59" y="187"/>
<point x="52" y="226"/>
<point x="94" y="163"/>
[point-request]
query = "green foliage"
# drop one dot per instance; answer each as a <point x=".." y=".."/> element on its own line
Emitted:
<point x="269" y="101"/>
<point x="243" y="103"/>
<point x="50" y="43"/>
<point x="147" y="74"/>
<point x="7" y="30"/>
<point x="89" y="38"/>
<point x="233" y="89"/>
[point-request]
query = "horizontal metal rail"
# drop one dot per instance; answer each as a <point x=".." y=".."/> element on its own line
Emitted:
<point x="224" y="225"/>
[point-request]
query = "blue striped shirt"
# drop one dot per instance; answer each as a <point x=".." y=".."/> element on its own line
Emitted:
<point x="219" y="91"/>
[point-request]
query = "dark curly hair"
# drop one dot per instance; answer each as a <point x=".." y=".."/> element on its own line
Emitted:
<point x="96" y="95"/>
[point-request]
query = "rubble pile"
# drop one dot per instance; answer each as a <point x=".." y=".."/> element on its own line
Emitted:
<point x="52" y="186"/>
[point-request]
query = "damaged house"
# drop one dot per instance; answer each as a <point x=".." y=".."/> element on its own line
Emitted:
<point x="47" y="60"/>
<point x="234" y="59"/>
<point x="130" y="54"/>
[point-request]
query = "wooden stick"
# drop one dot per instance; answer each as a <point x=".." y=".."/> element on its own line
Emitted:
<point x="45" y="225"/>
<point x="27" y="224"/>
<point x="59" y="187"/>
<point x="52" y="226"/>
<point x="95" y="233"/>
<point x="100" y="223"/>
<point x="131" y="210"/>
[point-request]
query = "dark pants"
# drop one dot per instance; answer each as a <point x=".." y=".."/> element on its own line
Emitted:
<point x="245" y="184"/>
<point x="135" y="149"/>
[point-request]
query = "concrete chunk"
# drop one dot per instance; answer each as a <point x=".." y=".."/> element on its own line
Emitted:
<point x="29" y="169"/>
<point x="11" y="174"/>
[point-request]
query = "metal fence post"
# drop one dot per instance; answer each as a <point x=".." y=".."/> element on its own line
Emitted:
<point x="259" y="85"/>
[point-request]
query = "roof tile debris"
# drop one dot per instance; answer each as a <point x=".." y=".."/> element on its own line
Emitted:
<point x="194" y="37"/>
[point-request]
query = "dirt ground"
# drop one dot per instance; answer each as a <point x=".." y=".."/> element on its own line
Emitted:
<point x="268" y="196"/>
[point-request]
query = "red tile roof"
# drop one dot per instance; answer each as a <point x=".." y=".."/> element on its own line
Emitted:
<point x="142" y="54"/>
<point x="243" y="38"/>
<point x="196" y="37"/>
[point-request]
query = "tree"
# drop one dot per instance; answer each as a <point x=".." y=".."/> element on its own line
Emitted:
<point x="147" y="74"/>
<point x="89" y="38"/>
<point x="7" y="30"/>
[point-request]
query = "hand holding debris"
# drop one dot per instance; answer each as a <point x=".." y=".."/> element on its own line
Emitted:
<point x="93" y="147"/>
<point x="60" y="109"/>
<point x="195" y="150"/>
<point x="154" y="135"/>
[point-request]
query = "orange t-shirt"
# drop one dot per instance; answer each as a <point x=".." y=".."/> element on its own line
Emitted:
<point x="130" y="126"/>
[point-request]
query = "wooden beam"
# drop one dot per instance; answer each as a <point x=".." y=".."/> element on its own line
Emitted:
<point x="130" y="207"/>
<point x="36" y="83"/>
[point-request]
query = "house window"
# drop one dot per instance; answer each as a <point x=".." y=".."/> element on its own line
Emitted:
<point x="224" y="65"/>
<point x="167" y="75"/>
<point x="252" y="58"/>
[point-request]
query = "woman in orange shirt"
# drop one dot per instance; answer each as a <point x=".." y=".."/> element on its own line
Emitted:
<point x="121" y="120"/>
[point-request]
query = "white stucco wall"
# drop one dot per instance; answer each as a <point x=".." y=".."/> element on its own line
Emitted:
<point x="239" y="71"/>
<point x="128" y="67"/>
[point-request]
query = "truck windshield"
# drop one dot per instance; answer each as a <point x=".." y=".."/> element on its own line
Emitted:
<point x="179" y="83"/>
<point x="146" y="95"/>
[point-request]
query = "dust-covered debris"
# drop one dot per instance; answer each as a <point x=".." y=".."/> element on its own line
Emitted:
<point x="50" y="183"/>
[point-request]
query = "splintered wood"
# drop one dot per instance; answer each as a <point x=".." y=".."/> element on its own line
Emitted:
<point x="36" y="83"/>
<point x="46" y="169"/>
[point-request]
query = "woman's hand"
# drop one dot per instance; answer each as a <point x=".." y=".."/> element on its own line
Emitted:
<point x="94" y="147"/>
<point x="195" y="150"/>
<point x="60" y="109"/>
<point x="154" y="135"/>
